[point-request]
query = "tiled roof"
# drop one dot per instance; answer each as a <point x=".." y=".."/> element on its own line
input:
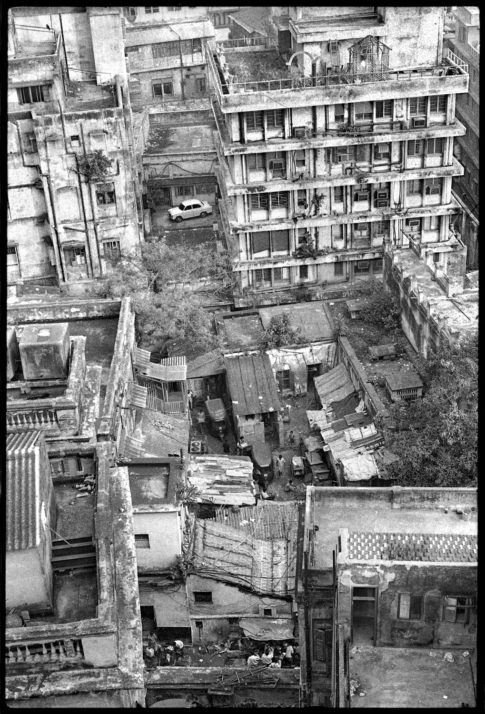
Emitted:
<point x="22" y="490"/>
<point x="440" y="547"/>
<point x="334" y="385"/>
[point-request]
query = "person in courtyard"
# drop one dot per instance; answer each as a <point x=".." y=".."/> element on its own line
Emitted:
<point x="291" y="439"/>
<point x="301" y="444"/>
<point x="267" y="656"/>
<point x="288" y="654"/>
<point x="242" y="445"/>
<point x="178" y="649"/>
<point x="190" y="399"/>
<point x="225" y="446"/>
<point x="290" y="485"/>
<point x="280" y="466"/>
<point x="253" y="660"/>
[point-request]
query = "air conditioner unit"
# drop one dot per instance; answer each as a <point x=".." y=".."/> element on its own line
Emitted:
<point x="382" y="194"/>
<point x="414" y="223"/>
<point x="383" y="203"/>
<point x="362" y="196"/>
<point x="419" y="122"/>
<point x="277" y="165"/>
<point x="299" y="132"/>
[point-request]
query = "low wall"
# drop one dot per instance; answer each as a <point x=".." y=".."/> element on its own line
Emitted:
<point x="61" y="311"/>
<point x="374" y="405"/>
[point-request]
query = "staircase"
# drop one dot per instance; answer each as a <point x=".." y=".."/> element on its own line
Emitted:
<point x="77" y="553"/>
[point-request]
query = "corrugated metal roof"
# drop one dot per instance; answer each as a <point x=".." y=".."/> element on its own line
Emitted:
<point x="170" y="369"/>
<point x="251" y="384"/>
<point x="251" y="19"/>
<point x="22" y="490"/>
<point x="269" y="520"/>
<point x="222" y="479"/>
<point x="334" y="385"/>
<point x="206" y="365"/>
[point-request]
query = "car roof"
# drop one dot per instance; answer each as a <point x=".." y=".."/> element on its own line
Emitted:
<point x="190" y="200"/>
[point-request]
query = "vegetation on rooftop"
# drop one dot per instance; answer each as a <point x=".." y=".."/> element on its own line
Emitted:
<point x="280" y="333"/>
<point x="436" y="436"/>
<point x="94" y="166"/>
<point x="162" y="282"/>
<point x="382" y="308"/>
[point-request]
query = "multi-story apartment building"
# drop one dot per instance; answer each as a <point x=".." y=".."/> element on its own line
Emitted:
<point x="67" y="222"/>
<point x="165" y="49"/>
<point x="346" y="147"/>
<point x="466" y="45"/>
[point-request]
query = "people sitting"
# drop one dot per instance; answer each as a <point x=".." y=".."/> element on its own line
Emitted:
<point x="267" y="656"/>
<point x="290" y="485"/>
<point x="253" y="660"/>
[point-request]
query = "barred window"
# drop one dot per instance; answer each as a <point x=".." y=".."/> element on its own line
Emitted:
<point x="105" y="194"/>
<point x="384" y="109"/>
<point x="278" y="199"/>
<point x="432" y="186"/>
<point x="437" y="104"/>
<point x="262" y="276"/>
<point x="417" y="105"/>
<point x="28" y="95"/>
<point x="165" y="49"/>
<point x="185" y="190"/>
<point x="112" y="249"/>
<point x="338" y="194"/>
<point x="382" y="151"/>
<point x="415" y="147"/>
<point x="434" y="146"/>
<point x="254" y="120"/>
<point x="458" y="609"/>
<point x="255" y="162"/>
<point x="414" y="187"/>
<point x="259" y="200"/>
<point x="274" y="118"/>
<point x="363" y="110"/>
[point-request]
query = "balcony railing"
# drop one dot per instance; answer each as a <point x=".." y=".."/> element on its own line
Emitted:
<point x="33" y="420"/>
<point x="451" y="65"/>
<point x="256" y="42"/>
<point x="57" y="651"/>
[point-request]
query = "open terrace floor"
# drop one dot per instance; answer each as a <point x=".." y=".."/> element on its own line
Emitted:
<point x="395" y="677"/>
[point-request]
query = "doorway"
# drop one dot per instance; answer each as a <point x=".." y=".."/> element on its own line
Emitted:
<point x="364" y="609"/>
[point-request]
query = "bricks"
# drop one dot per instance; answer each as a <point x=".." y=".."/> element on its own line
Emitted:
<point x="412" y="546"/>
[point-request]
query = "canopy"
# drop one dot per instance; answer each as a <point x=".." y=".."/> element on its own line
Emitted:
<point x="265" y="628"/>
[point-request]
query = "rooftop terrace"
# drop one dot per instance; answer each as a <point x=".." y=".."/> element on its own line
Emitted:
<point x="387" y="510"/>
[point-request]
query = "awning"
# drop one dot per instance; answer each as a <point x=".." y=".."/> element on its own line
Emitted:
<point x="265" y="628"/>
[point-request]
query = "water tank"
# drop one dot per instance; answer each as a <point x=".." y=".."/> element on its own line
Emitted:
<point x="44" y="350"/>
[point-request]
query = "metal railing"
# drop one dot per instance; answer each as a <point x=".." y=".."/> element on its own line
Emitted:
<point x="256" y="42"/>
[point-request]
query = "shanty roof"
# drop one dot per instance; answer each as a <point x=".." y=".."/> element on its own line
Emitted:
<point x="22" y="490"/>
<point x="404" y="380"/>
<point x="222" y="479"/>
<point x="251" y="19"/>
<point x="206" y="365"/>
<point x="234" y="555"/>
<point x="269" y="520"/>
<point x="334" y="385"/>
<point x="170" y="369"/>
<point x="251" y="384"/>
<point x="157" y="435"/>
<point x="265" y="628"/>
<point x="310" y="319"/>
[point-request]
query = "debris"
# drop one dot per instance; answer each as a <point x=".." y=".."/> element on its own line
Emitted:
<point x="465" y="653"/>
<point x="354" y="650"/>
<point x="432" y="654"/>
<point x="82" y="495"/>
<point x="444" y="696"/>
<point x="448" y="657"/>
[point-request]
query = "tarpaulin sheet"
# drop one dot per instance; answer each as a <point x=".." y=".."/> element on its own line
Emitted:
<point x="264" y="628"/>
<point x="360" y="467"/>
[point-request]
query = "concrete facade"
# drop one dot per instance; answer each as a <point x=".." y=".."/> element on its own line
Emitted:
<point x="63" y="227"/>
<point x="466" y="45"/>
<point x="315" y="182"/>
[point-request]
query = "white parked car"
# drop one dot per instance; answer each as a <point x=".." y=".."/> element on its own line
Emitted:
<point x="191" y="208"/>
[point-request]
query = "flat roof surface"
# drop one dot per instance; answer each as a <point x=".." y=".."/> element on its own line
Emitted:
<point x="404" y="380"/>
<point x="180" y="139"/>
<point x="240" y="331"/>
<point x="400" y="677"/>
<point x="149" y="485"/>
<point x="371" y="510"/>
<point x="310" y="319"/>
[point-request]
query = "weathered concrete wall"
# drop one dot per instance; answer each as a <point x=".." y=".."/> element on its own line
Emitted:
<point x="25" y="582"/>
<point x="59" y="311"/>
<point x="358" y="375"/>
<point x="164" y="531"/>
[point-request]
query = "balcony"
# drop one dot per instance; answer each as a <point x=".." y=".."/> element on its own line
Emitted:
<point x="236" y="93"/>
<point x="22" y="655"/>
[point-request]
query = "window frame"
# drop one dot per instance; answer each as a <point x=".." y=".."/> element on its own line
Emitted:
<point x="359" y="267"/>
<point x="277" y="118"/>
<point x="438" y="104"/>
<point x="417" y="106"/>
<point x="203" y="596"/>
<point x="338" y="268"/>
<point x="411" y="184"/>
<point x="107" y="193"/>
<point x="31" y="91"/>
<point x="112" y="249"/>
<point x="467" y="606"/>
<point x="257" y="120"/>
<point x="364" y="115"/>
<point x="142" y="540"/>
<point x="379" y="155"/>
<point x="434" y="142"/>
<point x="416" y="147"/>
<point x="384" y="108"/>
<point x="414" y="608"/>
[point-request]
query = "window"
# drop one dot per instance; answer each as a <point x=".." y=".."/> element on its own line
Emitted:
<point x="338" y="269"/>
<point x="434" y="146"/>
<point x="339" y="113"/>
<point x="413" y="188"/>
<point x="381" y="228"/>
<point x="417" y="105"/>
<point x="185" y="191"/>
<point x="203" y="596"/>
<point x="384" y="109"/>
<point x="300" y="162"/>
<point x="274" y="118"/>
<point x="337" y="232"/>
<point x="30" y="143"/>
<point x="322" y="642"/>
<point x="410" y="607"/>
<point x="361" y="195"/>
<point x="200" y="84"/>
<point x="362" y="110"/>
<point x="105" y="194"/>
<point x="149" y="10"/>
<point x="342" y="154"/>
<point x="259" y="201"/>
<point x="338" y="194"/>
<point x="75" y="256"/>
<point x="277" y="164"/>
<point x="361" y="267"/>
<point x="377" y="265"/>
<point x="142" y="540"/>
<point x="12" y="258"/>
<point x="279" y="199"/>
<point x="280" y="241"/>
<point x="431" y="223"/>
<point x="254" y="121"/>
<point x="175" y="8"/>
<point x="196" y="45"/>
<point x="283" y="377"/>
<point x="112" y="250"/>
<point x="256" y="162"/>
<point x="199" y="624"/>
<point x="233" y="620"/>
<point x="436" y="257"/>
<point x="75" y="140"/>
<point x="280" y="275"/>
<point x="267" y="611"/>
<point x="437" y="104"/>
<point x="166" y="49"/>
<point x="303" y="272"/>
<point x="261" y="242"/>
<point x="382" y="151"/>
<point x="458" y="609"/>
<point x="262" y="276"/>
<point x="432" y="186"/>
<point x="28" y="95"/>
<point x="415" y="147"/>
<point x="361" y="229"/>
<point x="160" y="89"/>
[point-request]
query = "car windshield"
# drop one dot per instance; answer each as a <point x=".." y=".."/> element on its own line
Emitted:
<point x="181" y="206"/>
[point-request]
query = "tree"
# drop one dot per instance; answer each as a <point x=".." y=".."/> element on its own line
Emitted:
<point x="168" y="286"/>
<point x="280" y="333"/>
<point x="95" y="166"/>
<point x="382" y="308"/>
<point x="436" y="437"/>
